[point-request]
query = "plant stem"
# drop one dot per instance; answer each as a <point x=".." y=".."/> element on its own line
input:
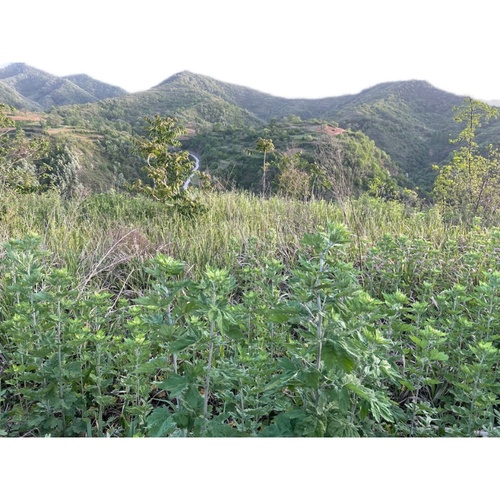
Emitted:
<point x="209" y="368"/>
<point x="319" y="323"/>
<point x="59" y="359"/>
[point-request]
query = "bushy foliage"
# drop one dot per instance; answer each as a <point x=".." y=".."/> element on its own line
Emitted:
<point x="231" y="156"/>
<point x="17" y="156"/>
<point x="350" y="164"/>
<point x="59" y="170"/>
<point x="267" y="349"/>
<point x="168" y="168"/>
<point x="470" y="182"/>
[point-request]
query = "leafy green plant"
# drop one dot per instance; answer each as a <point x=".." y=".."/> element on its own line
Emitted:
<point x="328" y="368"/>
<point x="273" y="331"/>
<point x="469" y="182"/>
<point x="167" y="168"/>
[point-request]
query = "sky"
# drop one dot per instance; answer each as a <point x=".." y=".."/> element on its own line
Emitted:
<point x="309" y="49"/>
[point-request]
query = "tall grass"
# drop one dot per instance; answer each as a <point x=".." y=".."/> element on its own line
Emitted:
<point x="104" y="238"/>
<point x="387" y="309"/>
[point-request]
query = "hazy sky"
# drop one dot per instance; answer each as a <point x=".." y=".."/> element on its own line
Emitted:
<point x="312" y="48"/>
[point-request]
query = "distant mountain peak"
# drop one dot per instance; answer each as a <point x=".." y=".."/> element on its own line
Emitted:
<point x="42" y="89"/>
<point x="98" y="89"/>
<point x="182" y="76"/>
<point x="15" y="69"/>
<point x="17" y="66"/>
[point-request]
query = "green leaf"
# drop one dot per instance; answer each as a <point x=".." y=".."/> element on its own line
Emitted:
<point x="233" y="331"/>
<point x="436" y="355"/>
<point x="160" y="423"/>
<point x="285" y="424"/>
<point x="279" y="381"/>
<point x="316" y="240"/>
<point x="105" y="400"/>
<point x="219" y="429"/>
<point x="290" y="365"/>
<point x="418" y="342"/>
<point x="381" y="410"/>
<point x="152" y="366"/>
<point x="73" y="369"/>
<point x="358" y="390"/>
<point x="336" y="354"/>
<point x="193" y="398"/>
<point x="310" y="378"/>
<point x="183" y="342"/>
<point x="174" y="384"/>
<point x="282" y="313"/>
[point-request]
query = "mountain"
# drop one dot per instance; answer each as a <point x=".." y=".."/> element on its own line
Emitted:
<point x="41" y="90"/>
<point x="96" y="88"/>
<point x="260" y="105"/>
<point x="196" y="107"/>
<point x="12" y="97"/>
<point x="187" y="96"/>
<point x="412" y="121"/>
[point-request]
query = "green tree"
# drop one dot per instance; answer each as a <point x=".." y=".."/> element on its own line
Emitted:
<point x="167" y="166"/>
<point x="17" y="155"/>
<point x="5" y="121"/>
<point x="293" y="178"/>
<point x="264" y="146"/>
<point x="470" y="183"/>
<point x="58" y="170"/>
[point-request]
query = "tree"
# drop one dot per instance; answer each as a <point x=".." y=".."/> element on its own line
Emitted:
<point x="350" y="164"/>
<point x="5" y="121"/>
<point x="17" y="155"/>
<point x="264" y="146"/>
<point x="293" y="178"/>
<point x="58" y="170"/>
<point x="167" y="167"/>
<point x="470" y="182"/>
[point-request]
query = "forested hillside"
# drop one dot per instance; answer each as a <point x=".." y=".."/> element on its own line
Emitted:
<point x="41" y="90"/>
<point x="411" y="121"/>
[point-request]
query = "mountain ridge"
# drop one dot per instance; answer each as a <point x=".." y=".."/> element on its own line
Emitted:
<point x="42" y="90"/>
<point x="411" y="120"/>
<point x="87" y="83"/>
<point x="95" y="87"/>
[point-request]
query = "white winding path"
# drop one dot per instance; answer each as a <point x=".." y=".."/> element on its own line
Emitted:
<point x="196" y="167"/>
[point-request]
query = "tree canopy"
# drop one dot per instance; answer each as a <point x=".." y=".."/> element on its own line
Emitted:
<point x="470" y="182"/>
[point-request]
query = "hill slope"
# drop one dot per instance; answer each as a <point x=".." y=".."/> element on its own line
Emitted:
<point x="263" y="106"/>
<point x="12" y="97"/>
<point x="412" y="121"/>
<point x="46" y="90"/>
<point x="96" y="88"/>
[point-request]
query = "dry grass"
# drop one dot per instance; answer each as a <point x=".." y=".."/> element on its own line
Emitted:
<point x="105" y="239"/>
<point x="26" y="117"/>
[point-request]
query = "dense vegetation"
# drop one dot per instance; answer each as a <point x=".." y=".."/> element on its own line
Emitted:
<point x="156" y="325"/>
<point x="327" y="299"/>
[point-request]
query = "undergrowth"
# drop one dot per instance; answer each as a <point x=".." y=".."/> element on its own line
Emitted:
<point x="256" y="318"/>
